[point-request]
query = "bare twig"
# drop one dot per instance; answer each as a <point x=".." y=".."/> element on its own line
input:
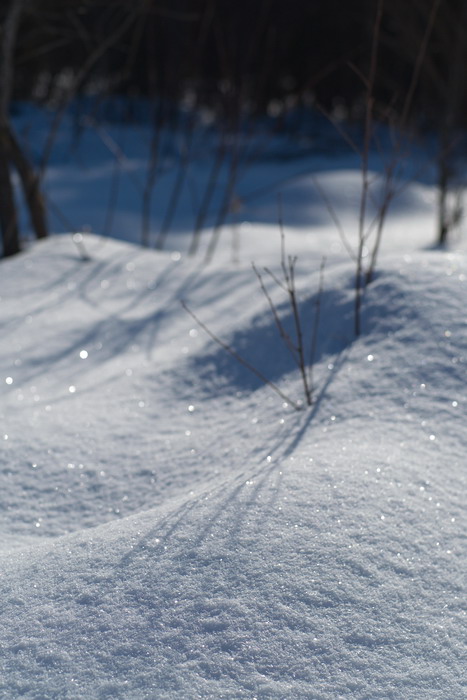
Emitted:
<point x="335" y="218"/>
<point x="297" y="406"/>
<point x="275" y="278"/>
<point x="179" y="181"/>
<point x="295" y="345"/>
<point x="341" y="131"/>
<point x="419" y="61"/>
<point x="390" y="189"/>
<point x="295" y="342"/>
<point x="368" y="128"/>
<point x="152" y="172"/>
<point x="280" y="217"/>
<point x="227" y="201"/>
<point x="298" y="331"/>
<point x="316" y="319"/>
<point x="207" y="197"/>
<point x="280" y="327"/>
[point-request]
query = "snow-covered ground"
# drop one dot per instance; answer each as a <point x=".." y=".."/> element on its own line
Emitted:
<point x="171" y="528"/>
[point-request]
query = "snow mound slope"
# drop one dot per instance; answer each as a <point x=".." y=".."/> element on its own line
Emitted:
<point x="173" y="533"/>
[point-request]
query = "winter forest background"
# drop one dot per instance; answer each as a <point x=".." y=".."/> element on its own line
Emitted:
<point x="233" y="68"/>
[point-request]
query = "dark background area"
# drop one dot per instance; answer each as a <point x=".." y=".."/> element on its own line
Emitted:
<point x="249" y="56"/>
<point x="181" y="63"/>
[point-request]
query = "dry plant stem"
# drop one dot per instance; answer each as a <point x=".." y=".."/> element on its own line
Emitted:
<point x="288" y="271"/>
<point x="83" y="253"/>
<point x="345" y="136"/>
<point x="381" y="220"/>
<point x="177" y="189"/>
<point x="282" y="332"/>
<point x="238" y="158"/>
<point x="226" y="204"/>
<point x="78" y="241"/>
<point x="365" y="272"/>
<point x="152" y="173"/>
<point x="208" y="194"/>
<point x="390" y="191"/>
<point x="113" y="197"/>
<point x="333" y="214"/>
<point x="241" y="360"/>
<point x="298" y="330"/>
<point x="419" y="61"/>
<point x="281" y="229"/>
<point x="316" y="320"/>
<point x="297" y="348"/>
<point x="368" y="127"/>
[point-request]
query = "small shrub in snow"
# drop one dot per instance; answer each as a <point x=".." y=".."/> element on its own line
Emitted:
<point x="303" y="354"/>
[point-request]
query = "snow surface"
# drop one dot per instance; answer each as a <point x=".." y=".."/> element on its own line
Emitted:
<point x="172" y="529"/>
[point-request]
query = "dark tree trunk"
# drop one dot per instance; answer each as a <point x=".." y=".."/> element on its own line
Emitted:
<point x="11" y="152"/>
<point x="8" y="217"/>
<point x="31" y="187"/>
<point x="449" y="137"/>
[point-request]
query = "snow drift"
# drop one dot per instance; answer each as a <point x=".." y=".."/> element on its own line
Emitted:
<point x="173" y="530"/>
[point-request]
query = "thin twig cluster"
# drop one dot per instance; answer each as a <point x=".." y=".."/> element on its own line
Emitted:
<point x="295" y="344"/>
<point x="303" y="356"/>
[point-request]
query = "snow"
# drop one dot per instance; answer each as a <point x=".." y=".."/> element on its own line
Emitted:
<point x="170" y="527"/>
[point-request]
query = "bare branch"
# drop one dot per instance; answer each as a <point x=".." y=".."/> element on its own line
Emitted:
<point x="7" y="47"/>
<point x="333" y="214"/>
<point x="241" y="360"/>
<point x="280" y="327"/>
<point x="314" y="333"/>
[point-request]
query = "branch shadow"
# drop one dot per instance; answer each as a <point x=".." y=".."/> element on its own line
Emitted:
<point x="120" y="322"/>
